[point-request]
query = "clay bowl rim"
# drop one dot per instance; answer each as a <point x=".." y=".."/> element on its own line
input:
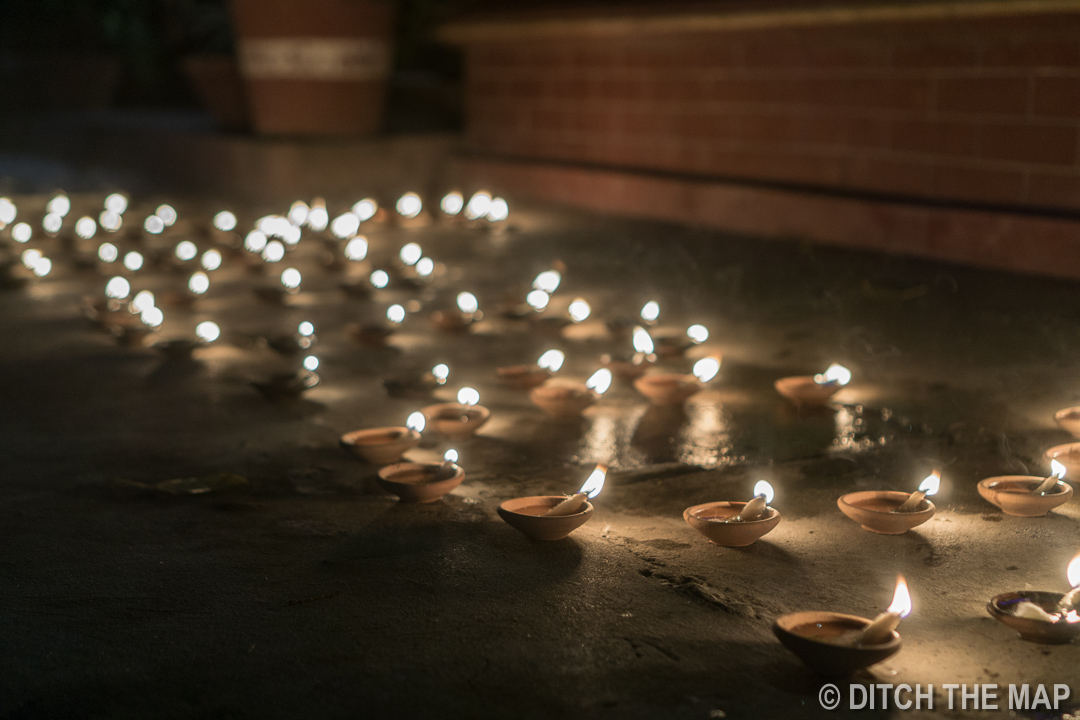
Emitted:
<point x="515" y="374"/>
<point x="1044" y="632"/>
<point x="1063" y="413"/>
<point x="1061" y="449"/>
<point x="786" y="384"/>
<point x="433" y="412"/>
<point x="405" y="434"/>
<point x="587" y="510"/>
<point x="693" y="510"/>
<point x="1053" y="500"/>
<point x="928" y="511"/>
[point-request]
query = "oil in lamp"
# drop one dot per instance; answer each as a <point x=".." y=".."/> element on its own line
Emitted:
<point x="675" y="389"/>
<point x="814" y="389"/>
<point x="1042" y="617"/>
<point x="735" y="524"/>
<point x="459" y="419"/>
<point x="385" y="445"/>
<point x="527" y="377"/>
<point x="889" y="512"/>
<point x="1027" y="495"/>
<point x="568" y="399"/>
<point x="553" y="517"/>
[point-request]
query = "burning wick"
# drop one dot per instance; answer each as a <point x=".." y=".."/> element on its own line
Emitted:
<point x="579" y="310"/>
<point x="551" y="360"/>
<point x="758" y="507"/>
<point x="409" y="205"/>
<point x="881" y="629"/>
<point x="650" y="312"/>
<point x="467" y="303"/>
<point x="599" y="381"/>
<point x="416" y="421"/>
<point x="1067" y="604"/>
<point x="440" y="372"/>
<point x="592" y="487"/>
<point x="1057" y="473"/>
<point x="449" y="466"/>
<point x="697" y="334"/>
<point x="929" y="486"/>
<point x="395" y="314"/>
<point x="548" y="281"/>
<point x="207" y="331"/>
<point x="835" y="375"/>
<point x="452" y="203"/>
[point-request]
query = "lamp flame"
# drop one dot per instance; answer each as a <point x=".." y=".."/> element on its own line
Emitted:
<point x="116" y="203"/>
<point x="306" y="328"/>
<point x="1057" y="469"/>
<point x="931" y="483"/>
<point x="379" y="279"/>
<point x="425" y="266"/>
<point x="468" y="396"/>
<point x="199" y="283"/>
<point x="345" y="225"/>
<point x="273" y="252"/>
<point x="142" y="300"/>
<point x="255" y="241"/>
<point x="208" y="331"/>
<point x="152" y="316"/>
<point x="311" y="363"/>
<point x="409" y="205"/>
<point x="595" y="482"/>
<point x="395" y="314"/>
<point x="290" y="278"/>
<point x="479" y="205"/>
<point x="706" y="369"/>
<point x="552" y="360"/>
<point x="835" y="374"/>
<point x="697" y="333"/>
<point x="1073" y="572"/>
<point x="85" y="227"/>
<point x="108" y="253"/>
<point x="600" y="381"/>
<point x="133" y="260"/>
<point x="365" y="209"/>
<point x="117" y="288"/>
<point x="901" y="603"/>
<point x="537" y="299"/>
<point x="499" y="210"/>
<point x="440" y="372"/>
<point x="410" y="253"/>
<point x="651" y="311"/>
<point x="548" y="281"/>
<point x="452" y="203"/>
<point x="467" y="302"/>
<point x="763" y="488"/>
<point x="450" y="456"/>
<point x="225" y="221"/>
<point x="298" y="213"/>
<point x="186" y="250"/>
<point x="416" y="421"/>
<point x="153" y="224"/>
<point x="211" y="260"/>
<point x="22" y="232"/>
<point x="318" y="218"/>
<point x="643" y="342"/>
<point x="167" y="214"/>
<point x="579" y="310"/>
<point x="357" y="248"/>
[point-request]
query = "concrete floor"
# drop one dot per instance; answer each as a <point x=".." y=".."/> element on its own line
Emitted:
<point x="306" y="591"/>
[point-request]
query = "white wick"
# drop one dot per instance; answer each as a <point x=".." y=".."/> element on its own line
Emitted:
<point x="1057" y="472"/>
<point x="929" y="486"/>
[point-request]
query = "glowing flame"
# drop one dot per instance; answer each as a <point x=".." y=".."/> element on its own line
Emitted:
<point x="452" y="203"/>
<point x="118" y="288"/>
<point x="499" y="210"/>
<point x="706" y="369"/>
<point x="345" y="226"/>
<point x="133" y="261"/>
<point x="225" y="221"/>
<point x="142" y="300"/>
<point x="595" y="482"/>
<point x="85" y="227"/>
<point x="186" y="250"/>
<point x="425" y="266"/>
<point x="167" y="214"/>
<point x="22" y="232"/>
<point x="1073" y="572"/>
<point x="311" y="363"/>
<point x="108" y="252"/>
<point x="365" y="209"/>
<point x="450" y="456"/>
<point x="198" y="283"/>
<point x="110" y="221"/>
<point x="762" y="487"/>
<point x="207" y="331"/>
<point x="298" y="213"/>
<point x="152" y="316"/>
<point x="599" y="381"/>
<point x="306" y="329"/>
<point x="30" y="257"/>
<point x="153" y="225"/>
<point x="468" y="396"/>
<point x="290" y="278"/>
<point x="548" y="281"/>
<point x="59" y="205"/>
<point x="651" y="311"/>
<point x="416" y="421"/>
<point x="52" y="223"/>
<point x="8" y="211"/>
<point x="931" y="483"/>
<point x="411" y="253"/>
<point x="901" y="603"/>
<point x="356" y="249"/>
<point x="552" y="360"/>
<point x="42" y="267"/>
<point x="318" y="218"/>
<point x="537" y="299"/>
<point x="479" y="205"/>
<point x="440" y="372"/>
<point x="211" y="260"/>
<point x="116" y="203"/>
<point x="835" y="374"/>
<point x="697" y="333"/>
<point x="273" y="225"/>
<point x="273" y="252"/>
<point x="579" y="310"/>
<point x="467" y="302"/>
<point x="255" y="241"/>
<point x="409" y="205"/>
<point x="379" y="279"/>
<point x="1057" y="469"/>
<point x="395" y="314"/>
<point x="643" y="342"/>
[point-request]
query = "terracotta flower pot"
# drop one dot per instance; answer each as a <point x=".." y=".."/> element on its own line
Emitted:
<point x="876" y="511"/>
<point x="1012" y="493"/>
<point x="525" y="514"/>
<point x="818" y="639"/>
<point x="314" y="67"/>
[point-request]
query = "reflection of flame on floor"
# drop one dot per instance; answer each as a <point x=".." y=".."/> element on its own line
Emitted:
<point x="705" y="441"/>
<point x="608" y="438"/>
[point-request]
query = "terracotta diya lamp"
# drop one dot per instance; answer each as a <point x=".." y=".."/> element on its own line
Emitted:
<point x="837" y="644"/>
<point x="628" y="368"/>
<point x="1042" y="617"/>
<point x="377" y="333"/>
<point x="385" y="445"/>
<point x="553" y="517"/>
<point x="420" y="482"/>
<point x="672" y="345"/>
<point x="460" y="318"/>
<point x="181" y="348"/>
<point x="527" y="377"/>
<point x="458" y="420"/>
<point x="814" y="389"/>
<point x="1067" y="454"/>
<point x="569" y="400"/>
<point x="1027" y="495"/>
<point x="735" y="524"/>
<point x="417" y="386"/>
<point x="890" y="512"/>
<point x="277" y="294"/>
<point x="674" y="388"/>
<point x="1069" y="420"/>
<point x="289" y="386"/>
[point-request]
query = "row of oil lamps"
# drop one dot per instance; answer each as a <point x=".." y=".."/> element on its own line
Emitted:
<point x="830" y="642"/>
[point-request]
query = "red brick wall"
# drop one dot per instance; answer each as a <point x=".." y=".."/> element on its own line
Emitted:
<point x="983" y="111"/>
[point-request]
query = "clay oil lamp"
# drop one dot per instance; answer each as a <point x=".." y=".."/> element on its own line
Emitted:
<point x="478" y="207"/>
<point x="354" y="254"/>
<point x="459" y="419"/>
<point x="290" y="386"/>
<point x="385" y="445"/>
<point x="1027" y="495"/>
<point x="1042" y="617"/>
<point x="537" y="299"/>
<point x="136" y="334"/>
<point x="378" y="333"/>
<point x="890" y="512"/>
<point x="675" y="389"/>
<point x="318" y="218"/>
<point x="223" y="230"/>
<point x="673" y="345"/>
<point x="410" y="211"/>
<point x="451" y="205"/>
<point x="836" y="644"/>
<point x="422" y="482"/>
<point x="460" y="318"/>
<point x="343" y="228"/>
<point x="814" y="389"/>
<point x="377" y="280"/>
<point x="303" y="339"/>
<point x="735" y="524"/>
<point x="206" y="333"/>
<point x="553" y="517"/>
<point x="417" y="386"/>
<point x="1067" y="454"/>
<point x="527" y="377"/>
<point x="630" y="367"/>
<point x="570" y="400"/>
<point x="1069" y="420"/>
<point x="276" y="294"/>
<point x="113" y="309"/>
<point x="420" y="274"/>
